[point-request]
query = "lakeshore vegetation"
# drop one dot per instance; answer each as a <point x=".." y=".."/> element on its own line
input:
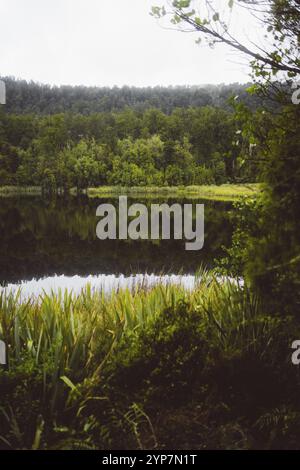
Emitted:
<point x="150" y="368"/>
<point x="225" y="192"/>
<point x="187" y="146"/>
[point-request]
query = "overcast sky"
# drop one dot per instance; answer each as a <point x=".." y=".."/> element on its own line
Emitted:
<point x="107" y="43"/>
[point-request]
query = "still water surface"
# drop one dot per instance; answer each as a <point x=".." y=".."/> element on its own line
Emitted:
<point x="52" y="244"/>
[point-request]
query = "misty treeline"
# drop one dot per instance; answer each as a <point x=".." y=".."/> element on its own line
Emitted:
<point x="29" y="97"/>
<point x="201" y="145"/>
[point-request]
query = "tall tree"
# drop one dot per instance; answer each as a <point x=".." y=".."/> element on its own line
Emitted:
<point x="274" y="248"/>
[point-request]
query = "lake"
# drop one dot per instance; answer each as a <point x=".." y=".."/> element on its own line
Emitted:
<point x="50" y="243"/>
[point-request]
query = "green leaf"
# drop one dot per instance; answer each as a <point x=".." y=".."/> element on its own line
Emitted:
<point x="176" y="19"/>
<point x="158" y="12"/>
<point x="181" y="3"/>
<point x="68" y="382"/>
<point x="216" y="17"/>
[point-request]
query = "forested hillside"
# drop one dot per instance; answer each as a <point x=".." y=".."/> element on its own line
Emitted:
<point x="191" y="146"/>
<point x="29" y="97"/>
<point x="79" y="137"/>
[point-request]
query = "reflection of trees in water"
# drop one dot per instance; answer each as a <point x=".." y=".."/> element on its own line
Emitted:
<point x="40" y="237"/>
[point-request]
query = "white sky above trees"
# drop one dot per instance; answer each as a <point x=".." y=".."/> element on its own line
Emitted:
<point x="110" y="42"/>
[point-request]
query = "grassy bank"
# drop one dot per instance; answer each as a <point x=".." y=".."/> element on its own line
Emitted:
<point x="222" y="192"/>
<point x="153" y="368"/>
<point x="20" y="190"/>
<point x="226" y="192"/>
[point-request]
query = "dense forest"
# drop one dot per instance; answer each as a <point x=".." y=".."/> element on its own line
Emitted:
<point x="198" y="143"/>
<point x="30" y="97"/>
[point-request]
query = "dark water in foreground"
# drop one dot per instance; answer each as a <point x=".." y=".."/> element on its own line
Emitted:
<point x="56" y="240"/>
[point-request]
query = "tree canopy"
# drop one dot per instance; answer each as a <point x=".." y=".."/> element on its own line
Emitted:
<point x="272" y="243"/>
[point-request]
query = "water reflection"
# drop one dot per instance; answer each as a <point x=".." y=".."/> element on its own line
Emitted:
<point x="105" y="283"/>
<point x="40" y="238"/>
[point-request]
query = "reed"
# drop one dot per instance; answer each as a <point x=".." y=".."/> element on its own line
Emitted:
<point x="226" y="192"/>
<point x="72" y="328"/>
<point x="62" y="349"/>
<point x="20" y="190"/>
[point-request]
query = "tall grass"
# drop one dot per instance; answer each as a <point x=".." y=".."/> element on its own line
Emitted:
<point x="226" y="192"/>
<point x="20" y="190"/>
<point x="70" y="327"/>
<point x="63" y="347"/>
<point x="223" y="192"/>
